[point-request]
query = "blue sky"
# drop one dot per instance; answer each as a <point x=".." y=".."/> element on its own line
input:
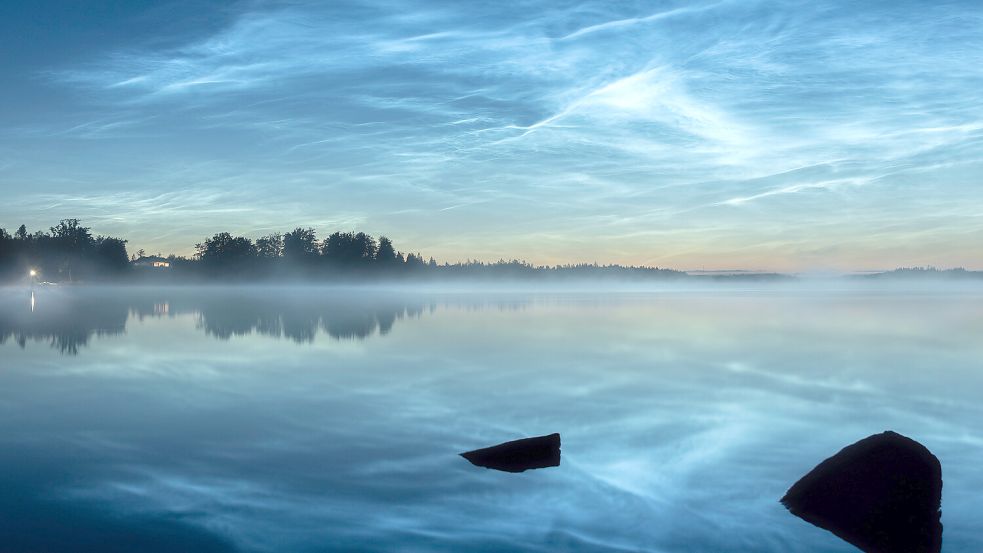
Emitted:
<point x="719" y="134"/>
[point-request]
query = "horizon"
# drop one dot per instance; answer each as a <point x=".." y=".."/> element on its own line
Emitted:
<point x="141" y="253"/>
<point x="793" y="138"/>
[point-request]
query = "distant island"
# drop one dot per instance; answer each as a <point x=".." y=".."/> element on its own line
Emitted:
<point x="924" y="272"/>
<point x="69" y="252"/>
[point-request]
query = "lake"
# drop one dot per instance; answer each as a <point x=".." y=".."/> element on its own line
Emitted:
<point x="318" y="419"/>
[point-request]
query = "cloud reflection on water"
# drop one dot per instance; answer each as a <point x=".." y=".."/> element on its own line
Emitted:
<point x="684" y="418"/>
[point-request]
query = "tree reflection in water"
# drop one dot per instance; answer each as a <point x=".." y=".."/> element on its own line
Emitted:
<point x="60" y="317"/>
<point x="68" y="318"/>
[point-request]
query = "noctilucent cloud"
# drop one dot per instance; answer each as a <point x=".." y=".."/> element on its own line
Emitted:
<point x="776" y="135"/>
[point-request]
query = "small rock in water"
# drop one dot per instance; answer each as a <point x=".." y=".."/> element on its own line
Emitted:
<point x="519" y="455"/>
<point x="881" y="494"/>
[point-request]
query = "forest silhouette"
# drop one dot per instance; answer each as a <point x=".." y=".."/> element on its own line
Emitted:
<point x="69" y="252"/>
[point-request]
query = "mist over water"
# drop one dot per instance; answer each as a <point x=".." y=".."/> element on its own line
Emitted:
<point x="318" y="419"/>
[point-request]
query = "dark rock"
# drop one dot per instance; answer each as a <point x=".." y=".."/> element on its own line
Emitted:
<point x="881" y="494"/>
<point x="519" y="455"/>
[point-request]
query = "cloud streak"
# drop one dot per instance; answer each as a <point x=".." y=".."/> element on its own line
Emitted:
<point x="675" y="117"/>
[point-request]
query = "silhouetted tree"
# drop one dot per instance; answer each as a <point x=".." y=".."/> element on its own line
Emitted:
<point x="71" y="244"/>
<point x="110" y="255"/>
<point x="69" y="252"/>
<point x="7" y="255"/>
<point x="385" y="254"/>
<point x="225" y="253"/>
<point x="270" y="246"/>
<point x="71" y="234"/>
<point x="300" y="244"/>
<point x="365" y="247"/>
<point x="414" y="261"/>
<point x="349" y="250"/>
<point x="335" y="246"/>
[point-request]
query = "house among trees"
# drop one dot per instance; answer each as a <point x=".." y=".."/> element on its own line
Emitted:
<point x="151" y="262"/>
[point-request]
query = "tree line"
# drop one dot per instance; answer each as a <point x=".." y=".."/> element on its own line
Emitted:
<point x="67" y="252"/>
<point x="300" y="252"/>
<point x="925" y="273"/>
<point x="70" y="252"/>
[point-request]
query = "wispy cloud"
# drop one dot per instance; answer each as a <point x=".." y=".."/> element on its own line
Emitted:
<point x="619" y="24"/>
<point x="612" y="116"/>
<point x="795" y="189"/>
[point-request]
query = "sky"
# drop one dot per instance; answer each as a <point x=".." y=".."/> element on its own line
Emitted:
<point x="765" y="135"/>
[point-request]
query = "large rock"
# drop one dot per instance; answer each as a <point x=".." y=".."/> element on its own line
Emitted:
<point x="519" y="455"/>
<point x="881" y="494"/>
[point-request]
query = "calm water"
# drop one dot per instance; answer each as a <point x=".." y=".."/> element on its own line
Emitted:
<point x="318" y="420"/>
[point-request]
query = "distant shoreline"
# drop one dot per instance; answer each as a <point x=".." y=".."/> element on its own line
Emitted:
<point x="70" y="253"/>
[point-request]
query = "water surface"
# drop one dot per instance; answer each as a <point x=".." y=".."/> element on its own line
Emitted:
<point x="261" y="419"/>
